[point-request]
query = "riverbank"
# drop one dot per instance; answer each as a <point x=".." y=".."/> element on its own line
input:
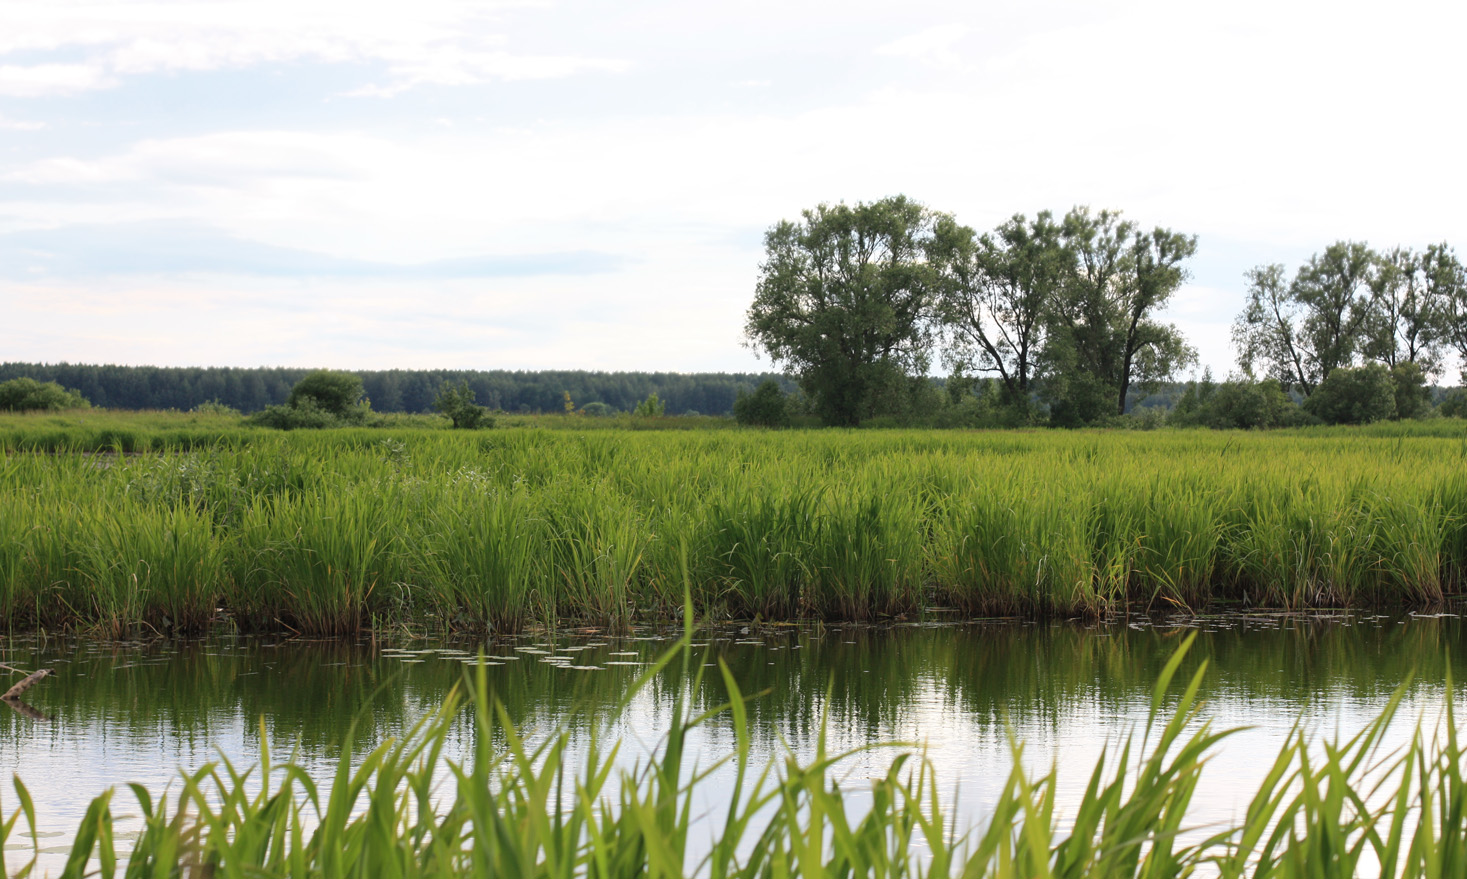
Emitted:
<point x="335" y="531"/>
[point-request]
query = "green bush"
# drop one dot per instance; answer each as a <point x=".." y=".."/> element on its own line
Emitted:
<point x="322" y="399"/>
<point x="337" y="393"/>
<point x="27" y="395"/>
<point x="457" y="402"/>
<point x="1455" y="404"/>
<point x="651" y="407"/>
<point x="306" y="414"/>
<point x="1237" y="405"/>
<point x="763" y="408"/>
<point x="1413" y="396"/>
<point x="214" y="407"/>
<point x="598" y="410"/>
<point x="1354" y="396"/>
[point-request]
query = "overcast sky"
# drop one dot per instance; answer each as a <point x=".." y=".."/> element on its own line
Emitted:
<point x="528" y="185"/>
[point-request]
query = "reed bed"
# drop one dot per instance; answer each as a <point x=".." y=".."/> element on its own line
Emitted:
<point x="509" y="809"/>
<point x="327" y="532"/>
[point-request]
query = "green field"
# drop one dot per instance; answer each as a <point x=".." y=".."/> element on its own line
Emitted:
<point x="113" y="522"/>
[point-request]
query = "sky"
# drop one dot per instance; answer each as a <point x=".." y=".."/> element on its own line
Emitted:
<point x="492" y="184"/>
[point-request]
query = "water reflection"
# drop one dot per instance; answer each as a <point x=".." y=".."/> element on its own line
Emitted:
<point x="136" y="711"/>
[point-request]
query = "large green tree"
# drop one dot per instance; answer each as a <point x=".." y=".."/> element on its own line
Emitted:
<point x="1409" y="321"/>
<point x="1302" y="331"/>
<point x="1449" y="277"/>
<point x="996" y="297"/>
<point x="1105" y="336"/>
<point x="843" y="301"/>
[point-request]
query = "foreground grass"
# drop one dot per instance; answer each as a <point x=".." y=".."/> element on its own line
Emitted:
<point x="513" y="810"/>
<point x="333" y="531"/>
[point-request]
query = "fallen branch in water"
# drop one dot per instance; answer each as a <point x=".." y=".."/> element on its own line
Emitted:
<point x="25" y="683"/>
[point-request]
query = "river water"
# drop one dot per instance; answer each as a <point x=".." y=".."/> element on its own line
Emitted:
<point x="139" y="711"/>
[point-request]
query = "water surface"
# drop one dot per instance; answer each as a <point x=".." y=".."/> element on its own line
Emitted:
<point x="140" y="710"/>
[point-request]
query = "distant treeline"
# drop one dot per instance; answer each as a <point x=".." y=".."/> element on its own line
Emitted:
<point x="394" y="390"/>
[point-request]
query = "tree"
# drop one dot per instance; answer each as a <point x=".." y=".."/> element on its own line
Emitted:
<point x="763" y="408"/>
<point x="338" y="394"/>
<point x="27" y="394"/>
<point x="843" y="301"/>
<point x="1408" y="324"/>
<point x="1105" y="338"/>
<point x="995" y="296"/>
<point x="1301" y="333"/>
<point x="1450" y="278"/>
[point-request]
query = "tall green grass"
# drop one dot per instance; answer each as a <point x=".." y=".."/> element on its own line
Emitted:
<point x="333" y="531"/>
<point x="513" y="809"/>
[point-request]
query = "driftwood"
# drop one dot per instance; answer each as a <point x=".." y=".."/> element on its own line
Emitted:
<point x="12" y="695"/>
<point x="25" y="683"/>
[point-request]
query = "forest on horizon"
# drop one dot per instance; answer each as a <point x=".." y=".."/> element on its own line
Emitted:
<point x="251" y="389"/>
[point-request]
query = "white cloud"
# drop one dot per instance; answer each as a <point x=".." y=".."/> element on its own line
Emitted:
<point x="440" y="42"/>
<point x="468" y="68"/>
<point x="623" y="323"/>
<point x="935" y="45"/>
<point x="8" y="124"/>
<point x="44" y="80"/>
<point x="235" y="160"/>
<point x="1265" y="130"/>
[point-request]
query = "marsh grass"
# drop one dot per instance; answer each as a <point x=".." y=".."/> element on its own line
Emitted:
<point x="478" y="547"/>
<point x="333" y="531"/>
<point x="1345" y="808"/>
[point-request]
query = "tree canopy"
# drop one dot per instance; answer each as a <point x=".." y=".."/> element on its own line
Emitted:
<point x="1106" y="335"/>
<point x="843" y="301"/>
<point x="391" y="390"/>
<point x="997" y="295"/>
<point x="851" y="299"/>
<point x="1347" y="305"/>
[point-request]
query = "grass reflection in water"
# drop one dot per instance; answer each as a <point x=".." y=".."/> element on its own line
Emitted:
<point x="522" y="809"/>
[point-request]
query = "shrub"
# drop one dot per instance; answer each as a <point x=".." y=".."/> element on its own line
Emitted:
<point x="337" y="393"/>
<point x="305" y="414"/>
<point x="457" y="402"/>
<point x="650" y="407"/>
<point x="598" y="410"/>
<point x="1237" y="404"/>
<point x="27" y="394"/>
<point x="214" y="407"/>
<point x="321" y="399"/>
<point x="763" y="408"/>
<point x="1413" y="396"/>
<point x="1354" y="396"/>
<point x="1455" y="404"/>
